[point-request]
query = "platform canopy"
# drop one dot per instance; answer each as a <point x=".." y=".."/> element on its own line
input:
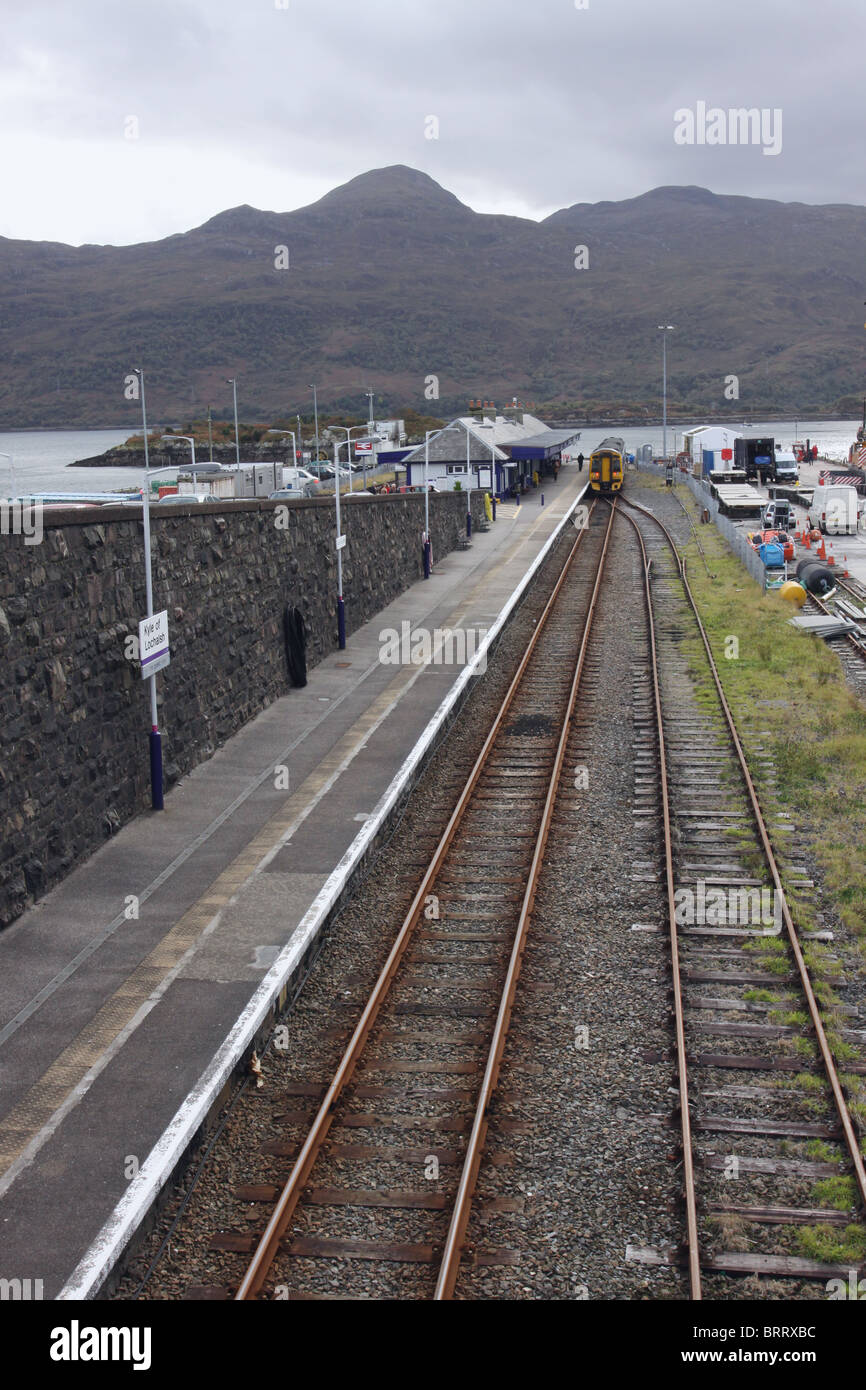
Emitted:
<point x="547" y="444"/>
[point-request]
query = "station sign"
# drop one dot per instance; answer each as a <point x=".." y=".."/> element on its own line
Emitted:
<point x="363" y="446"/>
<point x="153" y="644"/>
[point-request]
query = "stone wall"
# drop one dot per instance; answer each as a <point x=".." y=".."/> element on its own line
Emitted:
<point x="73" y="706"/>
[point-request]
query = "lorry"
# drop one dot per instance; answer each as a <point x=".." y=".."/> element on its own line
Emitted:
<point x="756" y="457"/>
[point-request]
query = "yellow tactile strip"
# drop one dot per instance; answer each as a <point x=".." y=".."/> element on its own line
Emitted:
<point x="68" y="1070"/>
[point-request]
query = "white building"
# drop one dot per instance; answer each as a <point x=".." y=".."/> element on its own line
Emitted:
<point x="711" y="446"/>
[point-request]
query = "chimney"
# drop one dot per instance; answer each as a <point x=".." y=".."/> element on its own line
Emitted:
<point x="489" y="412"/>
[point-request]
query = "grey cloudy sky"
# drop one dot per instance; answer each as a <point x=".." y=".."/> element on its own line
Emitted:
<point x="540" y="103"/>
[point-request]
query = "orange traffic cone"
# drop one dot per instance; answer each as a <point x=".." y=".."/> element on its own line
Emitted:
<point x="821" y="552"/>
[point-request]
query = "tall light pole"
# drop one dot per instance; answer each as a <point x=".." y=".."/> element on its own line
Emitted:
<point x="428" y="548"/>
<point x="232" y="382"/>
<point x="156" y="788"/>
<point x="300" y="440"/>
<point x="469" y="485"/>
<point x="190" y="441"/>
<point x="665" y="329"/>
<point x="492" y="428"/>
<point x="316" y="418"/>
<point x="341" y="539"/>
<point x="370" y="395"/>
<point x="294" y="444"/>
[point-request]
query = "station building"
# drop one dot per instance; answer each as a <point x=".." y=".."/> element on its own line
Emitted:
<point x="502" y="449"/>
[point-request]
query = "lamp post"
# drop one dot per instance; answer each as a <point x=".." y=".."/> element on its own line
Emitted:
<point x="316" y="417"/>
<point x="489" y="425"/>
<point x="469" y="486"/>
<point x="294" y="444"/>
<point x="341" y="539"/>
<point x="156" y="786"/>
<point x="428" y="558"/>
<point x="189" y="440"/>
<point x="665" y="329"/>
<point x="232" y="382"/>
<point x="428" y="550"/>
<point x="370" y="395"/>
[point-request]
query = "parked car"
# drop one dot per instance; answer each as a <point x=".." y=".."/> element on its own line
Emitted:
<point x="283" y="494"/>
<point x="778" y="515"/>
<point x="187" y="498"/>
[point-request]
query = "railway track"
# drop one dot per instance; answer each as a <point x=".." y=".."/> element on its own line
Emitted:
<point x="426" y="1109"/>
<point x="731" y="976"/>
<point x="851" y="646"/>
<point x="424" y="1058"/>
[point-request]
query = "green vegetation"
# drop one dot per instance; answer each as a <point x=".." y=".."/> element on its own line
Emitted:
<point x="837" y="1192"/>
<point x="821" y="772"/>
<point x="835" y="1245"/>
<point x="787" y="692"/>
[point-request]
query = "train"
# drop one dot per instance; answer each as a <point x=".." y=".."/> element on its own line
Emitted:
<point x="606" y="465"/>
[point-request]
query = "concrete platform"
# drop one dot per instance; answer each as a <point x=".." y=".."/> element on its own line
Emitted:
<point x="128" y="993"/>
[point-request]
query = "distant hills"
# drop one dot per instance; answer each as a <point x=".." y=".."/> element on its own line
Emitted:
<point x="392" y="280"/>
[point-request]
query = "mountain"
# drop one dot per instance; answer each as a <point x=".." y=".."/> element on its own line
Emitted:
<point x="392" y="280"/>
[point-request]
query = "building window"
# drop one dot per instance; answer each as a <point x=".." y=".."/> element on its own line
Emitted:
<point x="451" y="468"/>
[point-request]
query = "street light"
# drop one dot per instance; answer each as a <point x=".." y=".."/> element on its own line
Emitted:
<point x="665" y="329"/>
<point x="294" y="443"/>
<point x="341" y="539"/>
<point x="189" y="440"/>
<point x="370" y="395"/>
<point x="156" y="789"/>
<point x="232" y="382"/>
<point x="428" y="551"/>
<point x="469" y="485"/>
<point x="488" y="424"/>
<point x="316" y="417"/>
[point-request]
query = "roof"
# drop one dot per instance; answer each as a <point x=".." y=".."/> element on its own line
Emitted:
<point x="703" y="429"/>
<point x="448" y="445"/>
<point x="544" y="443"/>
<point x="530" y="434"/>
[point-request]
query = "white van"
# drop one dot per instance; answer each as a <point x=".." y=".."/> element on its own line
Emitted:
<point x="834" y="509"/>
<point x="786" y="468"/>
<point x="302" y="482"/>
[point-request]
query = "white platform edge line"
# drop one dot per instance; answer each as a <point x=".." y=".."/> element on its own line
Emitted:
<point x="98" y="1261"/>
